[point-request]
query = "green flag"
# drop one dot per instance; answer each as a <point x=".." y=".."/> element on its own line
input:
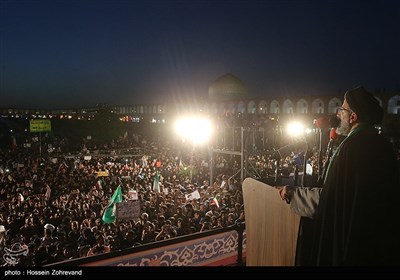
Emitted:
<point x="110" y="213"/>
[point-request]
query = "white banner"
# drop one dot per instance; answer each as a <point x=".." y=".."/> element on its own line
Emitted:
<point x="132" y="195"/>
<point x="193" y="195"/>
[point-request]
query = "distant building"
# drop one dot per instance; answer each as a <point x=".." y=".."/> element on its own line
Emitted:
<point x="227" y="95"/>
<point x="227" y="88"/>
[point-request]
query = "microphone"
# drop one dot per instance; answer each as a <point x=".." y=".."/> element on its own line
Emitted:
<point x="335" y="138"/>
<point x="329" y="151"/>
<point x="333" y="135"/>
<point x="327" y="122"/>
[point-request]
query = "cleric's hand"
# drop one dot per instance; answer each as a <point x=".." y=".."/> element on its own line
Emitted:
<point x="286" y="193"/>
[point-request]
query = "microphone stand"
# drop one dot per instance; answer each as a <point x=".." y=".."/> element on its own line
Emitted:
<point x="320" y="154"/>
<point x="329" y="153"/>
<point x="277" y="171"/>
<point x="303" y="179"/>
<point x="296" y="175"/>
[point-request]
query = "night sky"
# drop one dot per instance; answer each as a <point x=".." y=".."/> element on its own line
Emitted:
<point x="63" y="54"/>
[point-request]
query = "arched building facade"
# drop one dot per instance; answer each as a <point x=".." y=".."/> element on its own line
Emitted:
<point x="229" y="95"/>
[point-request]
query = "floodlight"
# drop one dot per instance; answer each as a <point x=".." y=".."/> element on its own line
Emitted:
<point x="196" y="129"/>
<point x="295" y="129"/>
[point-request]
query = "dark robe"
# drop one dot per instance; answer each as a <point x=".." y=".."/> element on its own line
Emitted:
<point x="358" y="216"/>
<point x="305" y="238"/>
<point x="304" y="242"/>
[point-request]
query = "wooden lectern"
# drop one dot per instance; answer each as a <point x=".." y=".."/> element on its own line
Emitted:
<point x="271" y="227"/>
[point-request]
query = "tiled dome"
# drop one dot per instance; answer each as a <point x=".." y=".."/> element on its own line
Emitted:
<point x="227" y="87"/>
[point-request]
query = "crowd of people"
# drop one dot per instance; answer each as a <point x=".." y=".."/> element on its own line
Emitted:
<point x="52" y="206"/>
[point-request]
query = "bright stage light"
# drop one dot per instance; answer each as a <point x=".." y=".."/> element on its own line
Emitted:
<point x="195" y="129"/>
<point x="295" y="129"/>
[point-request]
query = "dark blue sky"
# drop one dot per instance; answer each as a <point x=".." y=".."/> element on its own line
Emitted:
<point x="60" y="54"/>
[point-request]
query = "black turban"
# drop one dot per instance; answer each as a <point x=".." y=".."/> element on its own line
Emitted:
<point x="365" y="105"/>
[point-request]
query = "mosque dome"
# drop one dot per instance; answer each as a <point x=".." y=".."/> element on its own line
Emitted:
<point x="227" y="87"/>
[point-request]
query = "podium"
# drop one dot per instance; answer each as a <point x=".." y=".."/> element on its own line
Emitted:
<point x="271" y="227"/>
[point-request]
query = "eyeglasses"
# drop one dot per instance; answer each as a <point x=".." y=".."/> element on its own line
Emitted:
<point x="340" y="109"/>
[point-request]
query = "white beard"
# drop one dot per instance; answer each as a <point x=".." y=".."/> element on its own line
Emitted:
<point x="344" y="127"/>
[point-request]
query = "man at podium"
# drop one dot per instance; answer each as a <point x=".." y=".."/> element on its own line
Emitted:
<point x="356" y="212"/>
